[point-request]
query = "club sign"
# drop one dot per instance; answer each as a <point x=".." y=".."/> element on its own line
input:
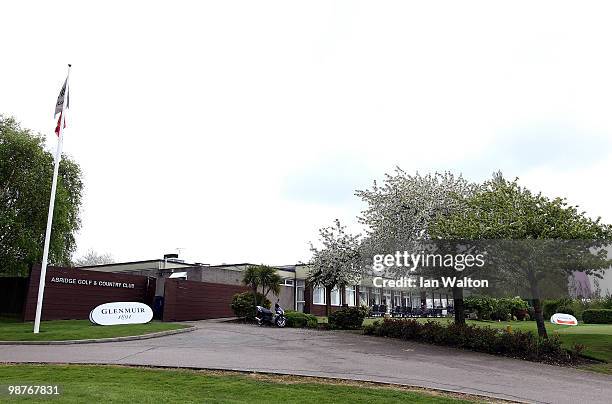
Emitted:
<point x="563" y="319"/>
<point x="121" y="313"/>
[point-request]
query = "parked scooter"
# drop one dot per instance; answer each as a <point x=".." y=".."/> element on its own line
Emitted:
<point x="266" y="316"/>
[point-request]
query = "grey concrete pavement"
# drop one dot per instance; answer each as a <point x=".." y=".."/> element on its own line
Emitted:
<point x="217" y="345"/>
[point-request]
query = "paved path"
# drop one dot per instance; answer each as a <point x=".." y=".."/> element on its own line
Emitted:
<point x="218" y="345"/>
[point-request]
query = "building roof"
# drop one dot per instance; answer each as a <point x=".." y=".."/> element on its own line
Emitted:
<point x="288" y="268"/>
<point x="140" y="262"/>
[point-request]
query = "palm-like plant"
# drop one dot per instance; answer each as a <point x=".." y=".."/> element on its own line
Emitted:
<point x="251" y="279"/>
<point x="262" y="276"/>
<point x="269" y="280"/>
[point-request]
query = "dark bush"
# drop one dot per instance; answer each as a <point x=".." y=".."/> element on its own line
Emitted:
<point x="243" y="304"/>
<point x="522" y="314"/>
<point x="530" y="313"/>
<point x="517" y="344"/>
<point x="597" y="316"/>
<point x="297" y="319"/>
<point x="565" y="309"/>
<point x="549" y="307"/>
<point x="347" y="318"/>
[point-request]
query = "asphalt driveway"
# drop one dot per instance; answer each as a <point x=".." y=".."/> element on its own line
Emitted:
<point x="219" y="345"/>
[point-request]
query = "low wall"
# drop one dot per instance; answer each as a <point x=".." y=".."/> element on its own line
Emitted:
<point x="319" y="310"/>
<point x="192" y="300"/>
<point x="72" y="293"/>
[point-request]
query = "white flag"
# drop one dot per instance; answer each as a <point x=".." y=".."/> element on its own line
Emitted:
<point x="63" y="95"/>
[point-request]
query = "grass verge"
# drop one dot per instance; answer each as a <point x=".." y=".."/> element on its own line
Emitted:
<point x="128" y="385"/>
<point x="60" y="330"/>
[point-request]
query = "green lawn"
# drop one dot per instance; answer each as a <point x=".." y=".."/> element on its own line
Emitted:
<point x="13" y="330"/>
<point x="87" y="384"/>
<point x="597" y="338"/>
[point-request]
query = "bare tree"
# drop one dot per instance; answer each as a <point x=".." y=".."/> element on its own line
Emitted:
<point x="91" y="257"/>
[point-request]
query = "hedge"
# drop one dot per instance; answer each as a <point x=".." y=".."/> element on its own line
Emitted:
<point x="516" y="344"/>
<point x="243" y="304"/>
<point x="490" y="308"/>
<point x="550" y="307"/>
<point x="297" y="319"/>
<point x="597" y="316"/>
<point x="347" y="318"/>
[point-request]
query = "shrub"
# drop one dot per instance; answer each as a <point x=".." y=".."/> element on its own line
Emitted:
<point x="370" y="329"/>
<point x="489" y="308"/>
<point x="297" y="319"/>
<point x="549" y="307"/>
<point x="502" y="309"/>
<point x="517" y="306"/>
<point x="530" y="313"/>
<point x="565" y="309"/>
<point x="522" y="314"/>
<point x="517" y="344"/>
<point x="597" y="316"/>
<point x="243" y="304"/>
<point x="482" y="305"/>
<point x="347" y="318"/>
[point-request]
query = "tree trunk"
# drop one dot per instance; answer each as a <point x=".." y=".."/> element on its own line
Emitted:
<point x="458" y="305"/>
<point x="255" y="296"/>
<point x="328" y="301"/>
<point x="255" y="300"/>
<point x="539" y="318"/>
<point x="537" y="305"/>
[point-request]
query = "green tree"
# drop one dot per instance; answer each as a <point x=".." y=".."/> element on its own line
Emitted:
<point x="557" y="239"/>
<point x="252" y="280"/>
<point x="270" y="280"/>
<point x="26" y="172"/>
<point x="263" y="276"/>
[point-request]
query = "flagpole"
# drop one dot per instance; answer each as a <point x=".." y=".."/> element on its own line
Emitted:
<point x="58" y="156"/>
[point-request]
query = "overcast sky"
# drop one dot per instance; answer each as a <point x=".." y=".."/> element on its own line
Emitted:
<point x="235" y="129"/>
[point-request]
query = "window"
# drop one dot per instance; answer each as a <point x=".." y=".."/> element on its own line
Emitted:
<point x="397" y="299"/>
<point x="287" y="282"/>
<point x="429" y="303"/>
<point x="407" y="301"/>
<point x="375" y="296"/>
<point x="299" y="295"/>
<point x="387" y="297"/>
<point x="349" y="295"/>
<point x="364" y="296"/>
<point x="318" y="295"/>
<point x="335" y="297"/>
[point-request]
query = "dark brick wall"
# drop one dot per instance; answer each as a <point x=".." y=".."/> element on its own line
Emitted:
<point x="64" y="301"/>
<point x="13" y="291"/>
<point x="191" y="300"/>
<point x="319" y="310"/>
